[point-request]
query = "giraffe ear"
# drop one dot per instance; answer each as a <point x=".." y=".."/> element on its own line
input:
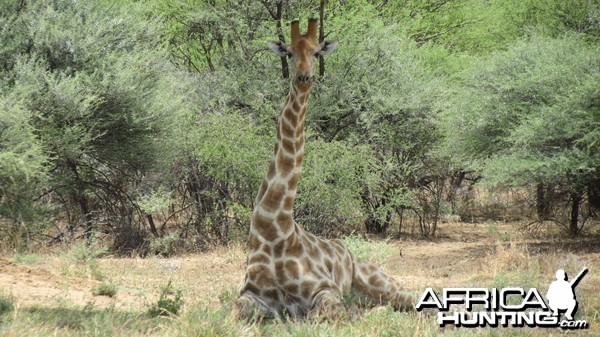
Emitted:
<point x="279" y="48"/>
<point x="327" y="47"/>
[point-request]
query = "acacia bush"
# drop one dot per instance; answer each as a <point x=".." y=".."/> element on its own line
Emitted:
<point x="329" y="194"/>
<point x="151" y="123"/>
<point x="529" y="116"/>
<point x="97" y="98"/>
<point x="22" y="172"/>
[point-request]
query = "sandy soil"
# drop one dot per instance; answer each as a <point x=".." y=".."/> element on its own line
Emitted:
<point x="463" y="254"/>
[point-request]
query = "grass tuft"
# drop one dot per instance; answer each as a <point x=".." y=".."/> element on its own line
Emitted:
<point x="376" y="252"/>
<point x="228" y="295"/>
<point x="6" y="303"/>
<point x="105" y="289"/>
<point x="78" y="321"/>
<point x="509" y="257"/>
<point x="25" y="258"/>
<point x="169" y="303"/>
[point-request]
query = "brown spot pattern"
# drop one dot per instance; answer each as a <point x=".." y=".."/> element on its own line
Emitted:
<point x="299" y="143"/>
<point x="253" y="243"/>
<point x="293" y="182"/>
<point x="272" y="294"/>
<point x="293" y="269"/>
<point x="299" y="159"/>
<point x="285" y="222"/>
<point x="290" y="116"/>
<point x="294" y="248"/>
<point x="316" y="264"/>
<point x="278" y="249"/>
<point x="273" y="197"/>
<point x="292" y="288"/>
<point x="289" y="145"/>
<point x="287" y="130"/>
<point x="288" y="203"/>
<point x="259" y="258"/>
<point x="285" y="164"/>
<point x="264" y="227"/>
<point x="270" y="173"/>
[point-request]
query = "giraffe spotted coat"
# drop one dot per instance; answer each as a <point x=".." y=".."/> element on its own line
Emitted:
<point x="289" y="270"/>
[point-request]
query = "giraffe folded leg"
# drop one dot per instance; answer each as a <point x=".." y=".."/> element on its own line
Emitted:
<point x="327" y="304"/>
<point x="247" y="307"/>
<point x="371" y="281"/>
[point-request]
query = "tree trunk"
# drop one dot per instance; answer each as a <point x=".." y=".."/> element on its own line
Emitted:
<point x="321" y="35"/>
<point x="375" y="225"/>
<point x="400" y="213"/>
<point x="594" y="195"/>
<point x="83" y="204"/>
<point x="576" y="198"/>
<point x="194" y="188"/>
<point x="152" y="225"/>
<point x="455" y="183"/>
<point x="541" y="202"/>
<point x="277" y="16"/>
<point x="285" y="72"/>
<point x="81" y="200"/>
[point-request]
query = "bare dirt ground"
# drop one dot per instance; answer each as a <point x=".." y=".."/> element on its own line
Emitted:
<point x="462" y="255"/>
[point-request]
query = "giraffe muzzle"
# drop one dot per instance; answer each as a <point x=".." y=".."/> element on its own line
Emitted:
<point x="304" y="79"/>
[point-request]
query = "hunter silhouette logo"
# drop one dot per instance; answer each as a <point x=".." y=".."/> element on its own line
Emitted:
<point x="561" y="294"/>
<point x="507" y="307"/>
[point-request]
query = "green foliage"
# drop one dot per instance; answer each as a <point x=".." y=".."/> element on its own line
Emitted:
<point x="83" y="259"/>
<point x="329" y="192"/>
<point x="529" y="117"/>
<point x="97" y="96"/>
<point x="165" y="246"/>
<point x="228" y="295"/>
<point x="155" y="117"/>
<point x="170" y="302"/>
<point x="482" y="27"/>
<point x="376" y="252"/>
<point x="105" y="289"/>
<point x="25" y="258"/>
<point x="86" y="252"/>
<point x="155" y="201"/>
<point x="74" y="321"/>
<point x="6" y="303"/>
<point x="379" y="93"/>
<point x="530" y="113"/>
<point x="22" y="162"/>
<point x="236" y="152"/>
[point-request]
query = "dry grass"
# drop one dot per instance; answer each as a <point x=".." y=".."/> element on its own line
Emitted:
<point x="53" y="292"/>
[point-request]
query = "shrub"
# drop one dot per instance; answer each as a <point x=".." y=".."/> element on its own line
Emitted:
<point x="376" y="252"/>
<point x="105" y="289"/>
<point x="6" y="303"/>
<point x="169" y="303"/>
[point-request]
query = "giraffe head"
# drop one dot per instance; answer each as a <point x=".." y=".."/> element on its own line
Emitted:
<point x="303" y="51"/>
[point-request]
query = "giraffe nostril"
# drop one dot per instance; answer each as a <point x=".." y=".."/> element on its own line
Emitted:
<point x="303" y="78"/>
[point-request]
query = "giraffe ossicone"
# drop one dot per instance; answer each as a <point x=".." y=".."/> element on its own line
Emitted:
<point x="290" y="271"/>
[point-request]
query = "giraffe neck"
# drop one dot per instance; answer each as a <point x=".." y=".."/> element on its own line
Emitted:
<point x="273" y="212"/>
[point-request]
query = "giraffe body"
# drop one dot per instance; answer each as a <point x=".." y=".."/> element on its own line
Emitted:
<point x="289" y="270"/>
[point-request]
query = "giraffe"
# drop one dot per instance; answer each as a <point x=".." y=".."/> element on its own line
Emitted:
<point x="290" y="271"/>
